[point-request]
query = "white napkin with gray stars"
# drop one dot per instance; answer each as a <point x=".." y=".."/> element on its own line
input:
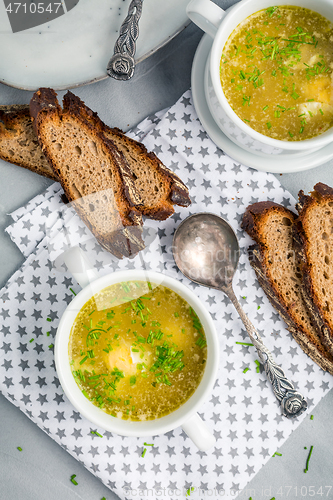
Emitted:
<point x="241" y="411"/>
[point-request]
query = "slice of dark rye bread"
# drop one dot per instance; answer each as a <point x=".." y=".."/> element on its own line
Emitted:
<point x="18" y="141"/>
<point x="273" y="259"/>
<point x="158" y="186"/>
<point x="93" y="174"/>
<point x="313" y="239"/>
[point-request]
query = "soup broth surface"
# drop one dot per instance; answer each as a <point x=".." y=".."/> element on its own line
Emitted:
<point x="137" y="350"/>
<point x="276" y="72"/>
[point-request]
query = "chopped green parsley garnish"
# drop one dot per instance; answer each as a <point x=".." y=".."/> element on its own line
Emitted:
<point x="96" y="433"/>
<point x="201" y="342"/>
<point x="73" y="479"/>
<point x="308" y="460"/>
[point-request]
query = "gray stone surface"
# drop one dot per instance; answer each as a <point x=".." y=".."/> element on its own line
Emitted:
<point x="42" y="470"/>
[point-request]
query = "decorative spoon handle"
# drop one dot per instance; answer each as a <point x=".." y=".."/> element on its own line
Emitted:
<point x="121" y="65"/>
<point x="292" y="402"/>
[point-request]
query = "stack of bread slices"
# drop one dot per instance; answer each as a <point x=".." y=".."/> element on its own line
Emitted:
<point x="111" y="179"/>
<point x="293" y="260"/>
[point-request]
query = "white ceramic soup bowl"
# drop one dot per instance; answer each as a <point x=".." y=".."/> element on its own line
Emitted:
<point x="219" y="25"/>
<point x="185" y="415"/>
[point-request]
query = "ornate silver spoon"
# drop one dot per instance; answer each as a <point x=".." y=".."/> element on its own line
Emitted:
<point x="121" y="65"/>
<point x="206" y="251"/>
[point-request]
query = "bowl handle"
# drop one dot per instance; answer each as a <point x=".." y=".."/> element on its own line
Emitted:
<point x="79" y="266"/>
<point x="205" y="14"/>
<point x="197" y="430"/>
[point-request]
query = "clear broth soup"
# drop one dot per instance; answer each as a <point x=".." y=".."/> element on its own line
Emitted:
<point x="276" y="72"/>
<point x="137" y="350"/>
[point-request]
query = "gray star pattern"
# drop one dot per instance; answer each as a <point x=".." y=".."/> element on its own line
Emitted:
<point x="40" y="290"/>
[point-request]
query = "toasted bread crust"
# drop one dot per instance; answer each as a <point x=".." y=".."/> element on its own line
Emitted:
<point x="45" y="101"/>
<point x="318" y="355"/>
<point x="176" y="189"/>
<point x="254" y="214"/>
<point x="177" y="192"/>
<point x="321" y="194"/>
<point x="78" y="108"/>
<point x="18" y="142"/>
<point x="124" y="240"/>
<point x="253" y="223"/>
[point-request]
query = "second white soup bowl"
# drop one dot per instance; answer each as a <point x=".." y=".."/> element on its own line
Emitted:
<point x="219" y="24"/>
<point x="185" y="415"/>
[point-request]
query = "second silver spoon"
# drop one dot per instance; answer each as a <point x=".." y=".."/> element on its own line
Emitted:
<point x="206" y="251"/>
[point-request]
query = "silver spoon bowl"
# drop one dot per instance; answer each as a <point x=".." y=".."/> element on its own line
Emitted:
<point x="206" y="250"/>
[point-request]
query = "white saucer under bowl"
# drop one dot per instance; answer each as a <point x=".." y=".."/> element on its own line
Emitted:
<point x="265" y="162"/>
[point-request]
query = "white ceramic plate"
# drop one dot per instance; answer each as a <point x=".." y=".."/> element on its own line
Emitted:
<point x="73" y="49"/>
<point x="267" y="163"/>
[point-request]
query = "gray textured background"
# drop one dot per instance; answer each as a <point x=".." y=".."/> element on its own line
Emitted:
<point x="42" y="470"/>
